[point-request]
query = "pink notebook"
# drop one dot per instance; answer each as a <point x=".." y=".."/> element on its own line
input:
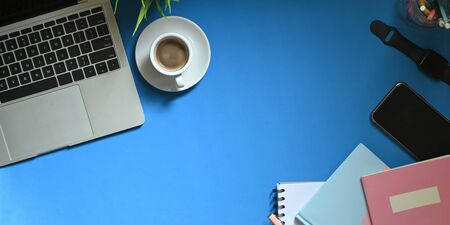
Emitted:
<point x="417" y="194"/>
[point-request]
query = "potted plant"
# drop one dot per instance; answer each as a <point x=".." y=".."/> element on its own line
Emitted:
<point x="161" y="6"/>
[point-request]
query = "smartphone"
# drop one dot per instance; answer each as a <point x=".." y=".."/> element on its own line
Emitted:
<point x="413" y="123"/>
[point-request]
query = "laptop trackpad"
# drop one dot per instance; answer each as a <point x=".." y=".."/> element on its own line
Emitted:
<point x="44" y="123"/>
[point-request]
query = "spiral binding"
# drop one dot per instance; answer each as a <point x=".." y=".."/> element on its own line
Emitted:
<point x="278" y="206"/>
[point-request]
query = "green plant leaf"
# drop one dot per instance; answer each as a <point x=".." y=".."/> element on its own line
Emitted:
<point x="115" y="6"/>
<point x="142" y="14"/>
<point x="158" y="6"/>
<point x="148" y="4"/>
<point x="169" y="6"/>
<point x="145" y="6"/>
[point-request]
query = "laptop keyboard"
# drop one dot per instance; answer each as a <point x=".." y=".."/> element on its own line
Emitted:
<point x="55" y="53"/>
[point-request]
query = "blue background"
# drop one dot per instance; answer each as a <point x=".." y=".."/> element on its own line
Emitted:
<point x="287" y="97"/>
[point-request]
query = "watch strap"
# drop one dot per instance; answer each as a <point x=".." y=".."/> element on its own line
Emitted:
<point x="426" y="59"/>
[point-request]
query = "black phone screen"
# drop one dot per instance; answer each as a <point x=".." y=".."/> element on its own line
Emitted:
<point x="411" y="121"/>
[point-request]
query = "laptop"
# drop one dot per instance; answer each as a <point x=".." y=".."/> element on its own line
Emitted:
<point x="64" y="76"/>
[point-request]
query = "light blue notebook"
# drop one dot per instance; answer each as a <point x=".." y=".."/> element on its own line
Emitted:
<point x="340" y="201"/>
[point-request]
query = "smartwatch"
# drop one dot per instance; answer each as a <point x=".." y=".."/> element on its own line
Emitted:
<point x="427" y="60"/>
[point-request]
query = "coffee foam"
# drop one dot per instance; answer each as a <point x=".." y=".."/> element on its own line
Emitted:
<point x="172" y="54"/>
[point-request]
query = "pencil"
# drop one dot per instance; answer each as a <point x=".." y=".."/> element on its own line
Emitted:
<point x="275" y="220"/>
<point x="443" y="14"/>
<point x="431" y="16"/>
<point x="436" y="7"/>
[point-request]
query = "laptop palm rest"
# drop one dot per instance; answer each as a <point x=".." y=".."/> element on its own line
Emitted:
<point x="42" y="123"/>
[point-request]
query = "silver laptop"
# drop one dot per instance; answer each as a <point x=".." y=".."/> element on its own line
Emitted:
<point x="64" y="76"/>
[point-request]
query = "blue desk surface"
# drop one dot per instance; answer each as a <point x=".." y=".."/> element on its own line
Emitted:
<point x="287" y="97"/>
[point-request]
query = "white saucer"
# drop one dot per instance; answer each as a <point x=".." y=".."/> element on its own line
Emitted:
<point x="200" y="48"/>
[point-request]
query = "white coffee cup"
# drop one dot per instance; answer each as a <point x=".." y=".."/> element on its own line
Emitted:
<point x="178" y="70"/>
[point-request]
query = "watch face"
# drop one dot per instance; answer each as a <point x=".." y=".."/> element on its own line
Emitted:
<point x="434" y="64"/>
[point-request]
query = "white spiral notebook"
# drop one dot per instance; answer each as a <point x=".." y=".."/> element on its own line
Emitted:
<point x="291" y="197"/>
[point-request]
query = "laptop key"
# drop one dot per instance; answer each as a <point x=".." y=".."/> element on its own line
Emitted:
<point x="28" y="89"/>
<point x="23" y="41"/>
<point x="102" y="42"/>
<point x="56" y="44"/>
<point x="20" y="54"/>
<point x="11" y="44"/>
<point x="62" y="54"/>
<point x="32" y="51"/>
<point x="96" y="10"/>
<point x="101" y="68"/>
<point x="71" y="64"/>
<point x="44" y="47"/>
<point x="48" y="71"/>
<point x="113" y="64"/>
<point x="89" y="71"/>
<point x="34" y="38"/>
<point x="85" y="47"/>
<point x="102" y="30"/>
<point x="85" y="13"/>
<point x="36" y="74"/>
<point x="91" y="33"/>
<point x="3" y="37"/>
<point x="79" y="37"/>
<point x="70" y="27"/>
<point x="38" y="27"/>
<point x="50" y="58"/>
<point x="3" y="85"/>
<point x="49" y="24"/>
<point x="67" y="40"/>
<point x="81" y="24"/>
<point x="24" y="78"/>
<point x="4" y="72"/>
<point x="77" y="75"/>
<point x="14" y="34"/>
<point x="59" y="68"/>
<point x="38" y="61"/>
<point x="58" y="30"/>
<point x="83" y="61"/>
<point x="2" y="47"/>
<point x="74" y="51"/>
<point x="15" y="68"/>
<point x="27" y="65"/>
<point x="102" y="55"/>
<point x="46" y="34"/>
<point x="25" y="31"/>
<point x="96" y="19"/>
<point x="73" y="16"/>
<point x="1" y="61"/>
<point x="65" y="79"/>
<point x="61" y="20"/>
<point x="13" y="82"/>
<point x="8" y="58"/>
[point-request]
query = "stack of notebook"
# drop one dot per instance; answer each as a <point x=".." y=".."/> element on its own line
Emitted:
<point x="364" y="191"/>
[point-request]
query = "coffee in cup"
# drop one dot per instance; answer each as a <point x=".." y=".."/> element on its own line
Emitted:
<point x="171" y="55"/>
